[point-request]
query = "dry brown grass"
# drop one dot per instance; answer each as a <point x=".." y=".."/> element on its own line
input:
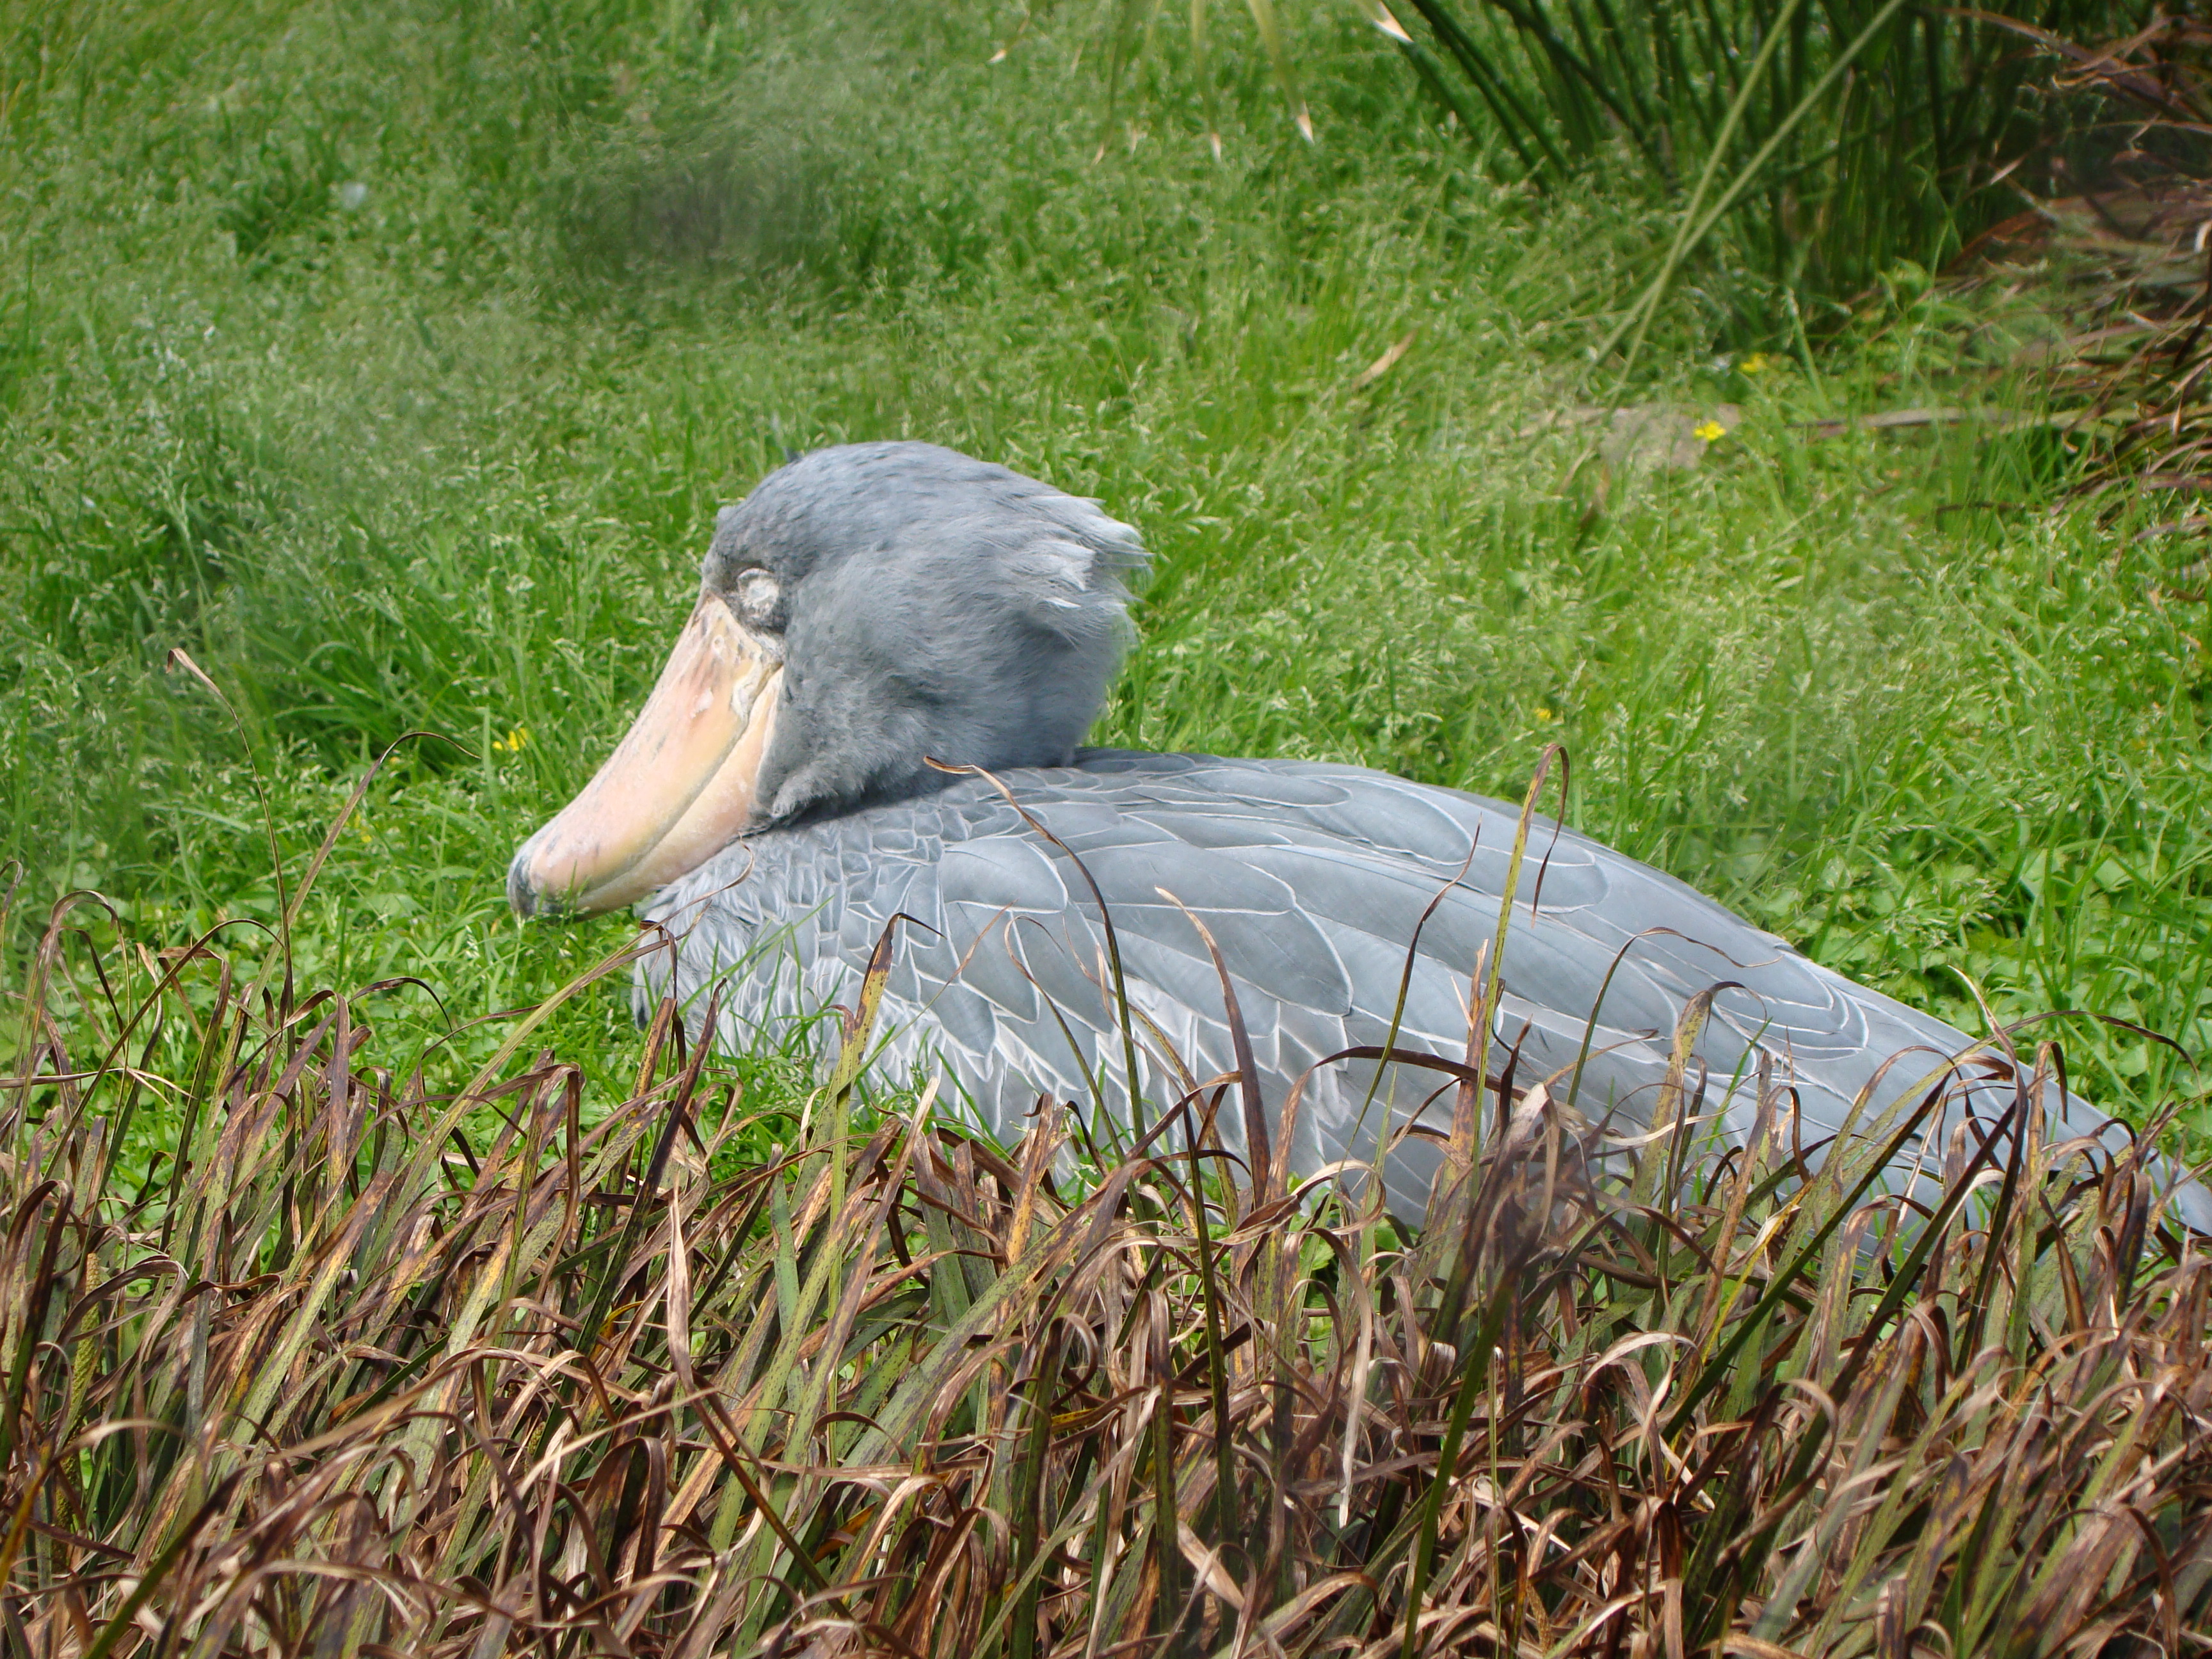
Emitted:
<point x="344" y="1379"/>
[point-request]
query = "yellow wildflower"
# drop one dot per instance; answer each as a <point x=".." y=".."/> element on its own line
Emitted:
<point x="513" y="741"/>
<point x="1758" y="363"/>
<point x="1710" y="432"/>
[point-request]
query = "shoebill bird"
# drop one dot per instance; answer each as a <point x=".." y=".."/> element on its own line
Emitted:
<point x="874" y="612"/>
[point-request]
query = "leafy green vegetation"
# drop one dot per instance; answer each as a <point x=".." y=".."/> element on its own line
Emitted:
<point x="1819" y="145"/>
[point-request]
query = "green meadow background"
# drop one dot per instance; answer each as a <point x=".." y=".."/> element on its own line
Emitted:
<point x="391" y="360"/>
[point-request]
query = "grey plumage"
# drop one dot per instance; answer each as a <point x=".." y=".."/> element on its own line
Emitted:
<point x="932" y="606"/>
<point x="1313" y="879"/>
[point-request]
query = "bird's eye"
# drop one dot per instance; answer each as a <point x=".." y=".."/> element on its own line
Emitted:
<point x="759" y="599"/>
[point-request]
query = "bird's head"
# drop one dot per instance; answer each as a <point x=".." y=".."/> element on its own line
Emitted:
<point x="866" y="610"/>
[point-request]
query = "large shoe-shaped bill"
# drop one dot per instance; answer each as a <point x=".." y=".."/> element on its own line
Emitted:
<point x="677" y="788"/>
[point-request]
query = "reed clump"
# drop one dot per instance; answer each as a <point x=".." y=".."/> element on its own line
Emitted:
<point x="2112" y="243"/>
<point x="306" y="1351"/>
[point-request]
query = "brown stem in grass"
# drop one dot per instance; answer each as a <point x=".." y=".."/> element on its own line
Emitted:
<point x="648" y="1185"/>
<point x="180" y="659"/>
<point x="1106" y="921"/>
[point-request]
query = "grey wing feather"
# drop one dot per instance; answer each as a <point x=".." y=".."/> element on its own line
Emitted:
<point x="1313" y="880"/>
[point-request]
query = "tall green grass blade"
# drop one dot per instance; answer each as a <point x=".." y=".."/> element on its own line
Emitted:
<point x="1278" y="59"/>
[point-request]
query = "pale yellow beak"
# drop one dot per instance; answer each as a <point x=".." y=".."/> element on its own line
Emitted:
<point x="679" y="787"/>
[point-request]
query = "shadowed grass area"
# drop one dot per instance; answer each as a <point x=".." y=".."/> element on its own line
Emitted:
<point x="1819" y="145"/>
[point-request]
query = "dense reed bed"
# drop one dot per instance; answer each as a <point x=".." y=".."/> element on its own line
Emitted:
<point x="356" y="1361"/>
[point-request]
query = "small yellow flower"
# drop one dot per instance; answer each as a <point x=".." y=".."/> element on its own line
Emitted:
<point x="1758" y="363"/>
<point x="1711" y="432"/>
<point x="513" y="741"/>
<point x="1544" y="714"/>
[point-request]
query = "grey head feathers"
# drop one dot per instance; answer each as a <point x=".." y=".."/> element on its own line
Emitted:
<point x="931" y="605"/>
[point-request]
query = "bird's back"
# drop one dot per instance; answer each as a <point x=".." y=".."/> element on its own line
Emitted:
<point x="1314" y="880"/>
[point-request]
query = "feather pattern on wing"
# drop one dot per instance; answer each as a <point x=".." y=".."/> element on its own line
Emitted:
<point x="1313" y="879"/>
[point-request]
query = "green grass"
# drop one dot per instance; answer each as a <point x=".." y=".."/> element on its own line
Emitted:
<point x="391" y="363"/>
